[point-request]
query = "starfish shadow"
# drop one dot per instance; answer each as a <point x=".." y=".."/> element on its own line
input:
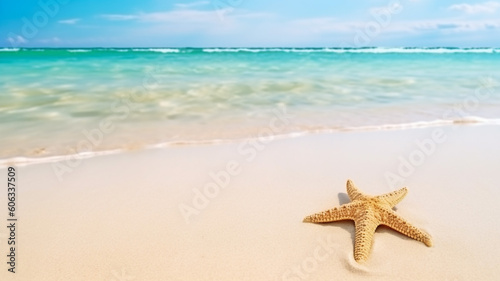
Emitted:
<point x="343" y="198"/>
<point x="346" y="225"/>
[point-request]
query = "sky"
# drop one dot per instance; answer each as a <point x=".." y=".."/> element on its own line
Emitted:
<point x="249" y="23"/>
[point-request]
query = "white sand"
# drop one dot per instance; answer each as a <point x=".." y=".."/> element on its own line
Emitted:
<point x="117" y="217"/>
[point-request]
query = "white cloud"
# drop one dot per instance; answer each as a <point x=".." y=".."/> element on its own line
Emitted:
<point x="69" y="21"/>
<point x="178" y="21"/>
<point x="16" y="40"/>
<point x="258" y="28"/>
<point x="182" y="17"/>
<point x="455" y="26"/>
<point x="119" y="17"/>
<point x="323" y="25"/>
<point x="336" y="28"/>
<point x="486" y="7"/>
<point x="50" y="40"/>
<point x="176" y="16"/>
<point x="179" y="16"/>
<point x="333" y="25"/>
<point x="192" y="5"/>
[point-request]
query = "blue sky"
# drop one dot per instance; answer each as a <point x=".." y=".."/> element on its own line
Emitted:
<point x="249" y="23"/>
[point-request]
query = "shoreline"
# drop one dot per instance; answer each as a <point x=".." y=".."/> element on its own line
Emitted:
<point x="338" y="50"/>
<point x="33" y="160"/>
<point x="209" y="212"/>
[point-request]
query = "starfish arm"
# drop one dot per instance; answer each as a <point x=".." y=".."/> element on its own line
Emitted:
<point x="353" y="192"/>
<point x="344" y="212"/>
<point x="394" y="221"/>
<point x="365" y="228"/>
<point x="395" y="197"/>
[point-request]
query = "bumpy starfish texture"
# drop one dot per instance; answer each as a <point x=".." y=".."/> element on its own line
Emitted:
<point x="368" y="212"/>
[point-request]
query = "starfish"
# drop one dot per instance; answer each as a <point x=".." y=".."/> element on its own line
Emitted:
<point x="368" y="212"/>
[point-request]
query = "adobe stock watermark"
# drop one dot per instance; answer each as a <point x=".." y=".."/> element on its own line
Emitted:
<point x="48" y="9"/>
<point x="305" y="270"/>
<point x="408" y="164"/>
<point x="471" y="103"/>
<point x="94" y="137"/>
<point x="425" y="148"/>
<point x="381" y="19"/>
<point x="222" y="7"/>
<point x="248" y="149"/>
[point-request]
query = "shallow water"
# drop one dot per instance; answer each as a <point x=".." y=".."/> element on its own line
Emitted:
<point x="54" y="100"/>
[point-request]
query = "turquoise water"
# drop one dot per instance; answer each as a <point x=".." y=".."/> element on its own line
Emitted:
<point x="53" y="99"/>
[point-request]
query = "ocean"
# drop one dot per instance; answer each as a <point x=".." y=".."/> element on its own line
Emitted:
<point x="88" y="101"/>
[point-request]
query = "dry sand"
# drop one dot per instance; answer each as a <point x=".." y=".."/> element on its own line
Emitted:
<point x="119" y="217"/>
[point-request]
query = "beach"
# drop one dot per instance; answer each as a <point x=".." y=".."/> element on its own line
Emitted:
<point x="234" y="210"/>
<point x="249" y="140"/>
<point x="202" y="163"/>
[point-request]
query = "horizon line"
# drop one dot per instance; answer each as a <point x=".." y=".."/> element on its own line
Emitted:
<point x="252" y="47"/>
